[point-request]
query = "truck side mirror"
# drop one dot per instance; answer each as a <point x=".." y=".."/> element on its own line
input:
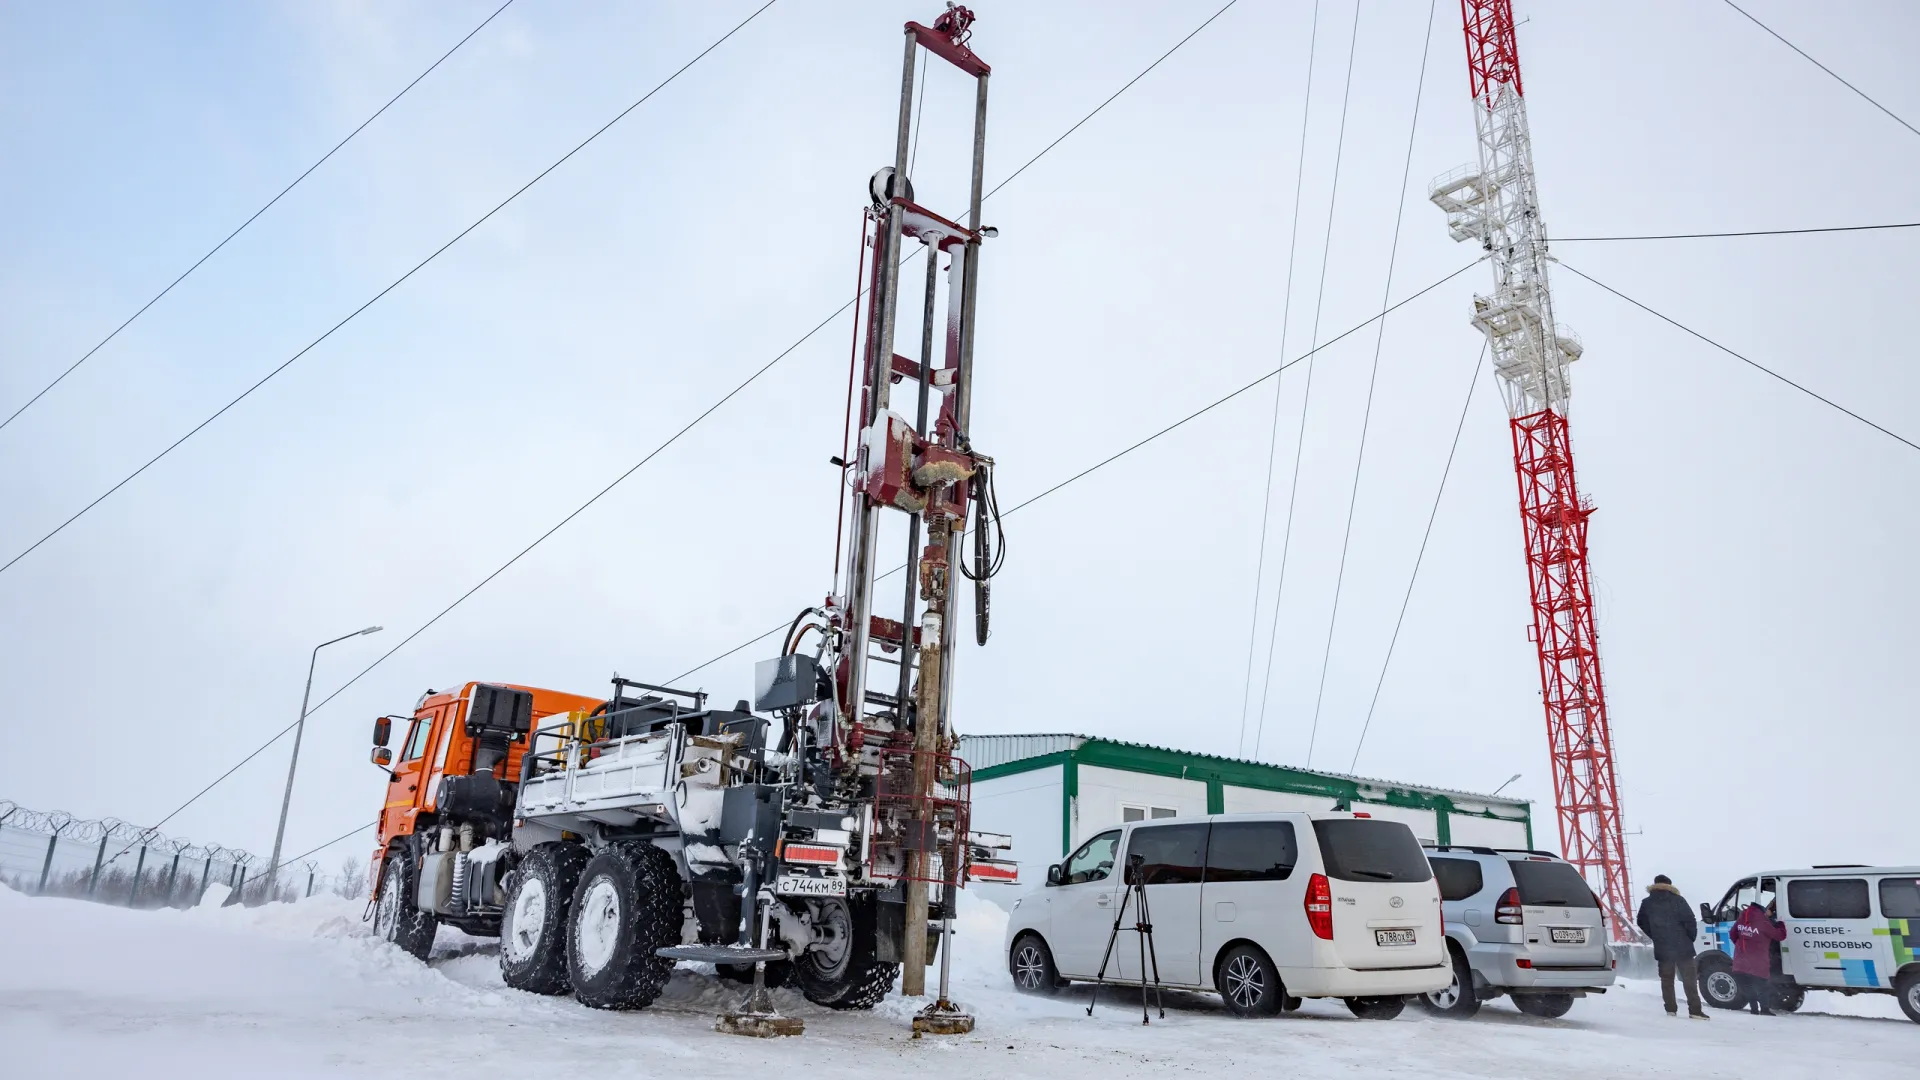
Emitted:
<point x="382" y="756"/>
<point x="1706" y="913"/>
<point x="1055" y="874"/>
<point x="382" y="731"/>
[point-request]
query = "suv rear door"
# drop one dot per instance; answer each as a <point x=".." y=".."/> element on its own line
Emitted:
<point x="1559" y="915"/>
<point x="1386" y="908"/>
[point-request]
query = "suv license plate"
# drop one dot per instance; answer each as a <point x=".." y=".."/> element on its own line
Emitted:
<point x="1576" y="936"/>
<point x="802" y="885"/>
<point x="1393" y="937"/>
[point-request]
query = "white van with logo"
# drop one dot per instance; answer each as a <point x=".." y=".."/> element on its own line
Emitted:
<point x="1263" y="909"/>
<point x="1850" y="929"/>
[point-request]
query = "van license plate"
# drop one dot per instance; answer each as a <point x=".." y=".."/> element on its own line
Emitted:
<point x="802" y="885"/>
<point x="1393" y="937"/>
<point x="1573" y="936"/>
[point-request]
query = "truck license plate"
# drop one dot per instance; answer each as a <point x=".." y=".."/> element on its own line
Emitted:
<point x="1393" y="937"/>
<point x="1566" y="936"/>
<point x="802" y="885"/>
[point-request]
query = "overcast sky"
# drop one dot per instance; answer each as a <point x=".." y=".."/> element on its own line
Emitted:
<point x="1752" y="548"/>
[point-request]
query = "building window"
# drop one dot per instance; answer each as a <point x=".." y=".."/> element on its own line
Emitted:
<point x="1143" y="813"/>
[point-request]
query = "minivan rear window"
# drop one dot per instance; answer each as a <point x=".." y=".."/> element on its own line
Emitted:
<point x="1900" y="898"/>
<point x="1251" y="851"/>
<point x="1551" y="884"/>
<point x="1458" y="878"/>
<point x="1363" y="849"/>
<point x="1828" y="898"/>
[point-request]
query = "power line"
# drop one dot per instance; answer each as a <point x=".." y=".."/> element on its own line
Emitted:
<point x="1306" y="397"/>
<point x="248" y="392"/>
<point x="1373" y="377"/>
<point x="1473" y="380"/>
<point x="1750" y="362"/>
<point x="1822" y="67"/>
<point x="1748" y="232"/>
<point x="1273" y="430"/>
<point x="698" y="419"/>
<point x="1168" y="429"/>
<point x="256" y="214"/>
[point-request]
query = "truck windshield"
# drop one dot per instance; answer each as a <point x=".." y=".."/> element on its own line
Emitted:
<point x="1551" y="884"/>
<point x="1361" y="849"/>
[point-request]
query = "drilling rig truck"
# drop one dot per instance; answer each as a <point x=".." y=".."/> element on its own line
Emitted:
<point x="815" y="834"/>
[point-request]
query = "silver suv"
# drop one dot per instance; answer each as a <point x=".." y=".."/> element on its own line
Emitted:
<point x="1520" y="923"/>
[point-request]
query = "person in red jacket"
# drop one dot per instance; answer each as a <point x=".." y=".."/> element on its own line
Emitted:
<point x="1753" y="939"/>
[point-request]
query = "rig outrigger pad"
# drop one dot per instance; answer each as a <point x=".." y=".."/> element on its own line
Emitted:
<point x="942" y="1017"/>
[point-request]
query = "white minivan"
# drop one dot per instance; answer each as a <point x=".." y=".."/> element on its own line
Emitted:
<point x="1263" y="909"/>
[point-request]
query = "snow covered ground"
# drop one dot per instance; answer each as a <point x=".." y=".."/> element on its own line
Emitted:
<point x="303" y="990"/>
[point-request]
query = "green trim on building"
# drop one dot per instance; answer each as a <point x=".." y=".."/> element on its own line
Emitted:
<point x="1216" y="797"/>
<point x="1069" y="791"/>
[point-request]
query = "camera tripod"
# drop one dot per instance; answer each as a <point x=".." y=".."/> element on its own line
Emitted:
<point x="1136" y="890"/>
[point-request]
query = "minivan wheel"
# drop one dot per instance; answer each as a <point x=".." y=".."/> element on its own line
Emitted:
<point x="1249" y="983"/>
<point x="1545" y="1006"/>
<point x="1376" y="1008"/>
<point x="1031" y="965"/>
<point x="1717" y="983"/>
<point x="1457" y="999"/>
<point x="1908" y="988"/>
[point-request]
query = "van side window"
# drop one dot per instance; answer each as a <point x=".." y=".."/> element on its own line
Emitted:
<point x="1252" y="851"/>
<point x="1169" y="854"/>
<point x="1458" y="878"/>
<point x="1828" y="898"/>
<point x="1900" y="898"/>
<point x="417" y="738"/>
<point x="1094" y="860"/>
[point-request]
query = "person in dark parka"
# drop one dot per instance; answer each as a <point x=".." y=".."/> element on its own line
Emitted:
<point x="1667" y="918"/>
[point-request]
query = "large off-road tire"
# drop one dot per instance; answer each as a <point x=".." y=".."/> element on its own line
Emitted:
<point x="395" y="917"/>
<point x="843" y="973"/>
<point x="1717" y="985"/>
<point x="1456" y="1000"/>
<point x="1545" y="1006"/>
<point x="1030" y="963"/>
<point x="625" y="908"/>
<point x="1376" y="1008"/>
<point x="1907" y="988"/>
<point x="533" y="923"/>
<point x="1249" y="983"/>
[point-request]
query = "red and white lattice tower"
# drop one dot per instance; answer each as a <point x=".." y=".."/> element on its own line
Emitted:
<point x="1496" y="202"/>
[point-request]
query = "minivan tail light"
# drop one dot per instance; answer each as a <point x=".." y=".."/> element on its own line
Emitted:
<point x="1320" y="907"/>
<point x="1508" y="909"/>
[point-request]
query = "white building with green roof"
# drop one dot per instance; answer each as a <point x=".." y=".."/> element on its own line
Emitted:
<point x="1049" y="792"/>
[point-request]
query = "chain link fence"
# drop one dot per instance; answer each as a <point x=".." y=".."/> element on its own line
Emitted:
<point x="109" y="861"/>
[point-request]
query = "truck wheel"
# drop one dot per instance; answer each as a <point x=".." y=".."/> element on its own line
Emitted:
<point x="1031" y="965"/>
<point x="1717" y="983"/>
<point x="1457" y="999"/>
<point x="395" y="918"/>
<point x="1908" y="988"/>
<point x="625" y="908"/>
<point x="1546" y="1006"/>
<point x="1376" y="1008"/>
<point x="533" y="923"/>
<point x="840" y="971"/>
<point x="1249" y="983"/>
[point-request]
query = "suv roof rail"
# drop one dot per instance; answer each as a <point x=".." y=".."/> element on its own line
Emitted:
<point x="1527" y="851"/>
<point x="1474" y="848"/>
<point x="1840" y="866"/>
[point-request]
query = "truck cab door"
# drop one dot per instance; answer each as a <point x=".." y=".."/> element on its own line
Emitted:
<point x="1717" y="932"/>
<point x="403" y="789"/>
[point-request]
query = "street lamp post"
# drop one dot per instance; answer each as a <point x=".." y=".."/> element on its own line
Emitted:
<point x="1503" y="786"/>
<point x="299" y="729"/>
